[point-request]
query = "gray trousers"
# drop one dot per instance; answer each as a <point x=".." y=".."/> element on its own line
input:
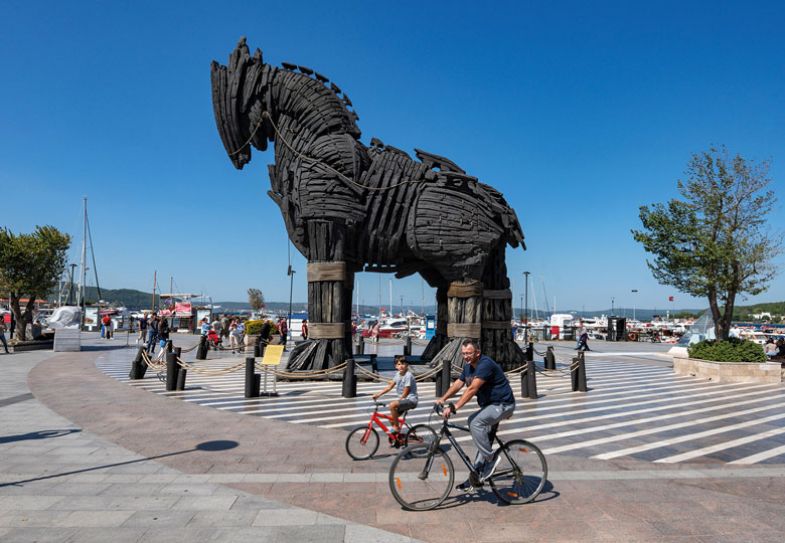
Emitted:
<point x="480" y="425"/>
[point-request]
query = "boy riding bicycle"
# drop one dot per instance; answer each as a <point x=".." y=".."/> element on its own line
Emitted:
<point x="406" y="387"/>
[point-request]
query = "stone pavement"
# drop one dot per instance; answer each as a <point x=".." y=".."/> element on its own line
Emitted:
<point x="173" y="458"/>
<point x="61" y="482"/>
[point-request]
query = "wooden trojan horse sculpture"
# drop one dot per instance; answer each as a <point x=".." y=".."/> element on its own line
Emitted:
<point x="350" y="208"/>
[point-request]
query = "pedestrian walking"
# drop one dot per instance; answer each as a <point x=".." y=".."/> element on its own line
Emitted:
<point x="2" y="337"/>
<point x="583" y="342"/>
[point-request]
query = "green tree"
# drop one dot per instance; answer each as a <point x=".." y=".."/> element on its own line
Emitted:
<point x="30" y="266"/>
<point x="255" y="298"/>
<point x="713" y="240"/>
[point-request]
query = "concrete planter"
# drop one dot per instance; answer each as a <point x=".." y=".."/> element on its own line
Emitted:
<point x="250" y="341"/>
<point x="34" y="345"/>
<point x="730" y="372"/>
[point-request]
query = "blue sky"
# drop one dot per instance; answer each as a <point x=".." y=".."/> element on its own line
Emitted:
<point x="579" y="112"/>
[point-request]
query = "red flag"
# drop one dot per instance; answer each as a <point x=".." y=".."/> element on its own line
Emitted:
<point x="670" y="298"/>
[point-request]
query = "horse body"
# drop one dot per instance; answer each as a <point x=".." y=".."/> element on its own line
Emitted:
<point x="373" y="208"/>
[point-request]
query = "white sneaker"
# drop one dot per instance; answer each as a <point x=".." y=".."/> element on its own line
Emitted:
<point x="489" y="467"/>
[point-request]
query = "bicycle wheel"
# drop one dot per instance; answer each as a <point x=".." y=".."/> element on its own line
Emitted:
<point x="421" y="434"/>
<point x="420" y="480"/>
<point x="520" y="476"/>
<point x="362" y="443"/>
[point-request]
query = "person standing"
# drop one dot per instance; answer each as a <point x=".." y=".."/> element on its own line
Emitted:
<point x="142" y="329"/>
<point x="106" y="327"/>
<point x="304" y="329"/>
<point x="2" y="336"/>
<point x="152" y="333"/>
<point x="163" y="332"/>
<point x="234" y="337"/>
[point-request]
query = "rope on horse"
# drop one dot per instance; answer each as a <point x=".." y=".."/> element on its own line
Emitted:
<point x="324" y="164"/>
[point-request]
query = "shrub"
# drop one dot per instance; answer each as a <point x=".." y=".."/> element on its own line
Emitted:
<point x="254" y="327"/>
<point x="732" y="350"/>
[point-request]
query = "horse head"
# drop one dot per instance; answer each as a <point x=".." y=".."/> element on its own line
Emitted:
<point x="239" y="103"/>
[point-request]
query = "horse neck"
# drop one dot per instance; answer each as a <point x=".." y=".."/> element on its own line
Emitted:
<point x="303" y="110"/>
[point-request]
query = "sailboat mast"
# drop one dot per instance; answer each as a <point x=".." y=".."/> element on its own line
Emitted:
<point x="83" y="260"/>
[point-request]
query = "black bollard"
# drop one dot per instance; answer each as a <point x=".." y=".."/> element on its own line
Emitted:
<point x="171" y="371"/>
<point x="550" y="359"/>
<point x="257" y="350"/>
<point x="250" y="379"/>
<point x="257" y="385"/>
<point x="531" y="378"/>
<point x="374" y="364"/>
<point x="201" y="350"/>
<point x="525" y="382"/>
<point x="349" y="388"/>
<point x="360" y="344"/>
<point x="582" y="372"/>
<point x="138" y="366"/>
<point x="181" y="379"/>
<point x="530" y="351"/>
<point x="407" y="346"/>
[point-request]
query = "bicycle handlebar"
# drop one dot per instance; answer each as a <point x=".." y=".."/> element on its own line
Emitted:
<point x="439" y="408"/>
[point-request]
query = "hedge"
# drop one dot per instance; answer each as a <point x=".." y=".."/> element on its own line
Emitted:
<point x="732" y="350"/>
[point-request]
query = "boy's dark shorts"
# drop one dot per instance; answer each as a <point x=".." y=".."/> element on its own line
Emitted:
<point x="405" y="405"/>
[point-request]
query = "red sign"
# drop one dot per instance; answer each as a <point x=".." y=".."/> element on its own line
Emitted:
<point x="670" y="298"/>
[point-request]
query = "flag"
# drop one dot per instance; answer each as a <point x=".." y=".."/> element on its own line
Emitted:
<point x="670" y="298"/>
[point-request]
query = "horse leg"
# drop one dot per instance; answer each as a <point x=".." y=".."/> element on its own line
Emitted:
<point x="464" y="320"/>
<point x="439" y="339"/>
<point x="497" y="341"/>
<point x="330" y="284"/>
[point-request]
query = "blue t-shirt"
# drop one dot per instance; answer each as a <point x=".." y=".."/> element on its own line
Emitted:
<point x="496" y="388"/>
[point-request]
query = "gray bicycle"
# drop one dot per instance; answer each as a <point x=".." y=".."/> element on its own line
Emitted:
<point x="422" y="475"/>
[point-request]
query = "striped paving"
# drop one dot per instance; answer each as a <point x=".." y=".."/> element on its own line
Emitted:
<point x="632" y="410"/>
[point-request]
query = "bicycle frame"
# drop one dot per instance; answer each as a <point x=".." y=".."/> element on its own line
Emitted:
<point x="445" y="432"/>
<point x="376" y="418"/>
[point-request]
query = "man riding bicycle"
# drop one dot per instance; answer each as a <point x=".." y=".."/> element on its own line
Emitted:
<point x="486" y="380"/>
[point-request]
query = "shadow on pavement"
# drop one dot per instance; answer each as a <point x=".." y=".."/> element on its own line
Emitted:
<point x="209" y="446"/>
<point x="43" y="434"/>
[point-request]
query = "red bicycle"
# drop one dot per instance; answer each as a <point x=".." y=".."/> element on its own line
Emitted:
<point x="363" y="442"/>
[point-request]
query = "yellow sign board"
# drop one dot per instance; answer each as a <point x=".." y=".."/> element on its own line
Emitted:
<point x="272" y="355"/>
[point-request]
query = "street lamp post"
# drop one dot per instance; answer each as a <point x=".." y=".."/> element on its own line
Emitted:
<point x="290" y="272"/>
<point x="613" y="300"/>
<point x="526" y="308"/>
<point x="634" y="291"/>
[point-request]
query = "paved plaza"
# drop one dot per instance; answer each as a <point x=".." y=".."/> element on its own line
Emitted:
<point x="88" y="455"/>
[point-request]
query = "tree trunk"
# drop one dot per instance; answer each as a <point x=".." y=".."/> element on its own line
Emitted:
<point x="22" y="319"/>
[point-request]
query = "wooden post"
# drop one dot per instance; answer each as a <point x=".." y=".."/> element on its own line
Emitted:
<point x="250" y="373"/>
<point x="201" y="350"/>
<point x="531" y="378"/>
<point x="578" y="373"/>
<point x="349" y="388"/>
<point x="550" y="359"/>
<point x="181" y="374"/>
<point x="138" y="366"/>
<point x="171" y="371"/>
